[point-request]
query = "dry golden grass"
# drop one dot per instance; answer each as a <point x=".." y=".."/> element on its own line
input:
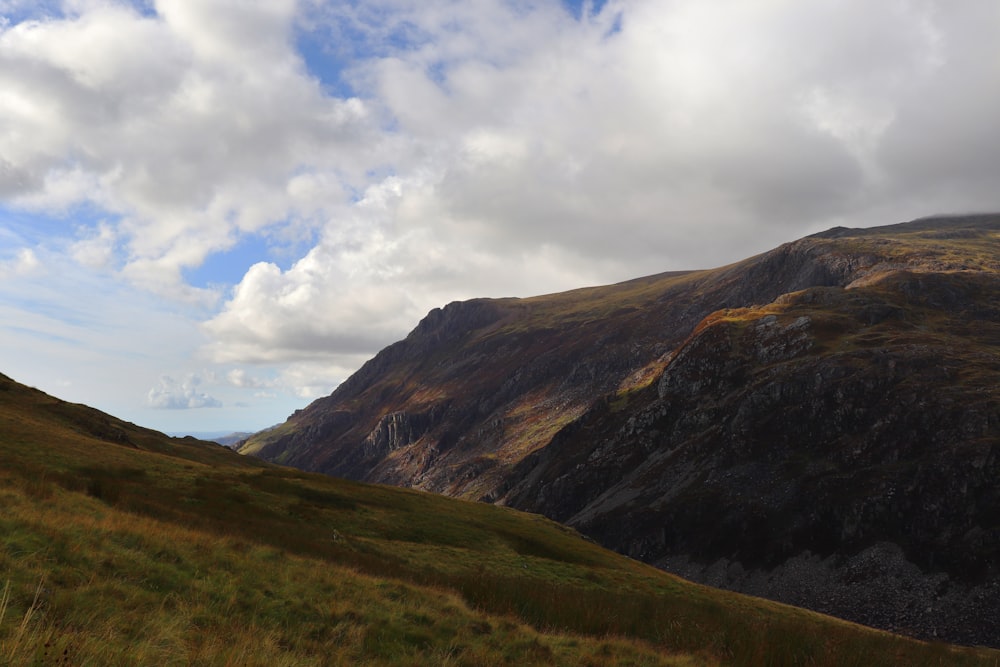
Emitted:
<point x="117" y="588"/>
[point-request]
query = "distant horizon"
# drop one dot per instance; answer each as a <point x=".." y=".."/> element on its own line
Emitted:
<point x="206" y="435"/>
<point x="213" y="213"/>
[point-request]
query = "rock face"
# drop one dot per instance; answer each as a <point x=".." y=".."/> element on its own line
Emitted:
<point x="777" y="449"/>
<point x="819" y="424"/>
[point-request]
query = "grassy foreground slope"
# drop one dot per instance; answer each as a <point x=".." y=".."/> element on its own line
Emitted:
<point x="119" y="545"/>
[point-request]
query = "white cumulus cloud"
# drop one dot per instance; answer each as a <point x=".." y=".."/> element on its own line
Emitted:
<point x="170" y="394"/>
<point x="191" y="125"/>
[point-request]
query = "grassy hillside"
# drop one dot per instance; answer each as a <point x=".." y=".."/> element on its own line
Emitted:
<point x="121" y="546"/>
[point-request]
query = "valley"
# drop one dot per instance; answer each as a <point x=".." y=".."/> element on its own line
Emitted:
<point x="122" y="546"/>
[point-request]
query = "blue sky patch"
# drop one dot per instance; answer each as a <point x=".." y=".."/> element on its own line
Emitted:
<point x="577" y="7"/>
<point x="53" y="311"/>
<point x="229" y="267"/>
<point x="38" y="11"/>
<point x="44" y="335"/>
<point x="326" y="61"/>
<point x="34" y="228"/>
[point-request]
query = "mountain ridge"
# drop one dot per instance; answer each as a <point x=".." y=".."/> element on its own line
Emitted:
<point x="580" y="405"/>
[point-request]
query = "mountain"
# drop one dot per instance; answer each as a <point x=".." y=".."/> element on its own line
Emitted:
<point x="231" y="439"/>
<point x="226" y="438"/>
<point x="120" y="545"/>
<point x="818" y="424"/>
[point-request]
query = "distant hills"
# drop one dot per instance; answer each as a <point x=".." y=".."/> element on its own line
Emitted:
<point x="226" y="438"/>
<point x="818" y="424"/>
<point x="122" y="546"/>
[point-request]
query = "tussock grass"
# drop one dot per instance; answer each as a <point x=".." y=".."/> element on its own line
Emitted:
<point x="122" y="588"/>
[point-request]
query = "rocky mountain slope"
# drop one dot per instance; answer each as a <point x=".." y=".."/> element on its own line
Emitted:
<point x="818" y="424"/>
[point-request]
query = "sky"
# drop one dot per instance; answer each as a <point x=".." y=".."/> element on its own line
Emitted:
<point x="214" y="211"/>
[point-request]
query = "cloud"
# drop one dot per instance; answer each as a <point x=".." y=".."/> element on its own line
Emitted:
<point x="24" y="263"/>
<point x="97" y="249"/>
<point x="238" y="377"/>
<point x="311" y="379"/>
<point x="275" y="316"/>
<point x="190" y="125"/>
<point x="426" y="152"/>
<point x="938" y="147"/>
<point x="534" y="150"/>
<point x="367" y="282"/>
<point x="170" y="394"/>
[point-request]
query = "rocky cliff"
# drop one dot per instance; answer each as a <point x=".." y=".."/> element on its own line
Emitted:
<point x="819" y="424"/>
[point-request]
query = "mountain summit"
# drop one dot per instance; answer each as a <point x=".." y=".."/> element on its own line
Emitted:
<point x="818" y="424"/>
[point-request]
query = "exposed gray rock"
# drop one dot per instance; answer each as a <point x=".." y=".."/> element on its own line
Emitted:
<point x="877" y="586"/>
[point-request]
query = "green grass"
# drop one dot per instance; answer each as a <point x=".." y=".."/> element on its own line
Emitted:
<point x="148" y="550"/>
